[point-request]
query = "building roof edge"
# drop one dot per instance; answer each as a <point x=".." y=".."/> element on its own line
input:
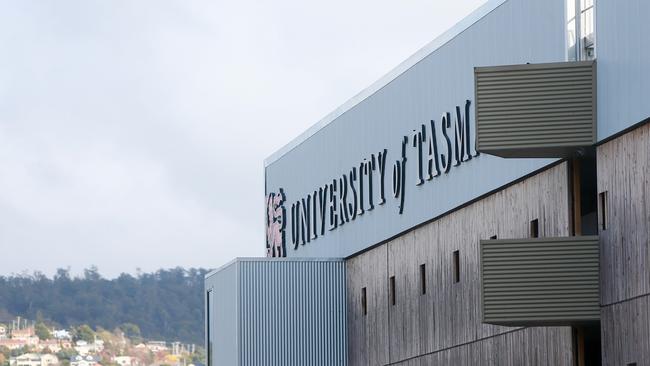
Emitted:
<point x="418" y="56"/>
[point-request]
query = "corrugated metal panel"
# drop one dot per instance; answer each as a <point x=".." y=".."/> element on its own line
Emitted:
<point x="289" y="312"/>
<point x="540" y="281"/>
<point x="542" y="110"/>
<point x="293" y="312"/>
<point x="221" y="320"/>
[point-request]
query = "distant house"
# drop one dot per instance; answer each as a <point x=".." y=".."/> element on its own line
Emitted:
<point x="157" y="346"/>
<point x="87" y="360"/>
<point x="13" y="343"/>
<point x="53" y="345"/>
<point x="61" y="334"/>
<point x="23" y="333"/>
<point x="83" y="348"/>
<point x="126" y="361"/>
<point x="34" y="359"/>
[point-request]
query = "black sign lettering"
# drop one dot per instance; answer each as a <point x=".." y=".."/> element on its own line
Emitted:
<point x="343" y="200"/>
<point x="461" y="146"/>
<point x="433" y="165"/>
<point x="446" y="159"/>
<point x="370" y="167"/>
<point x="352" y="207"/>
<point x="381" y="160"/>
<point x="331" y="204"/>
<point x="418" y="137"/>
<point x="352" y="194"/>
<point x="314" y="220"/>
<point x="322" y="201"/>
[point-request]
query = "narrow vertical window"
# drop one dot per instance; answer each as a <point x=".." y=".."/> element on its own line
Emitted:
<point x="393" y="298"/>
<point x="423" y="279"/>
<point x="587" y="29"/>
<point x="456" y="266"/>
<point x="534" y="228"/>
<point x="208" y="326"/>
<point x="602" y="200"/>
<point x="580" y="30"/>
<point x="364" y="302"/>
<point x="571" y="31"/>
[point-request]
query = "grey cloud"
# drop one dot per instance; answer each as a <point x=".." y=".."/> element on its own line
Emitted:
<point x="132" y="133"/>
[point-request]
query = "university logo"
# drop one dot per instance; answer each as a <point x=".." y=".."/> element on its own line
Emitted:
<point x="275" y="223"/>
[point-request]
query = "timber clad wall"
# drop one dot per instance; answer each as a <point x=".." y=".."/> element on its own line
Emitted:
<point x="540" y="281"/>
<point x="444" y="325"/>
<point x="623" y="171"/>
<point x="537" y="110"/>
<point x="626" y="330"/>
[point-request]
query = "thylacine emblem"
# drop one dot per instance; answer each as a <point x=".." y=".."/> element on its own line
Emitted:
<point x="275" y="224"/>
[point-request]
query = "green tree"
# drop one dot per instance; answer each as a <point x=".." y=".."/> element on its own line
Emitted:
<point x="84" y="333"/>
<point x="42" y="332"/>
<point x="66" y="354"/>
<point x="19" y="351"/>
<point x="198" y="357"/>
<point x="166" y="304"/>
<point x="6" y="352"/>
<point x="131" y="331"/>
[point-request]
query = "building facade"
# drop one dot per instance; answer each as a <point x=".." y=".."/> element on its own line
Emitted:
<point x="34" y="359"/>
<point x="488" y="200"/>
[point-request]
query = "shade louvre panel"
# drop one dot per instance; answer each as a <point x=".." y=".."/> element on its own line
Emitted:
<point x="535" y="110"/>
<point x="540" y="281"/>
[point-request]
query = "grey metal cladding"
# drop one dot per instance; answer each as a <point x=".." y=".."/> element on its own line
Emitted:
<point x="540" y="281"/>
<point x="222" y="322"/>
<point x="292" y="312"/>
<point x="535" y="110"/>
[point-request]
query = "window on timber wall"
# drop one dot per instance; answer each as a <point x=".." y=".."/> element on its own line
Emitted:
<point x="602" y="202"/>
<point x="393" y="297"/>
<point x="534" y="228"/>
<point x="456" y="264"/>
<point x="364" y="302"/>
<point x="423" y="279"/>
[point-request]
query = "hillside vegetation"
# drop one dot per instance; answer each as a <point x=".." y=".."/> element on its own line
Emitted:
<point x="167" y="304"/>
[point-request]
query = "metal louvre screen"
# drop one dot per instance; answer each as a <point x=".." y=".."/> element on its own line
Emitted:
<point x="540" y="110"/>
<point x="540" y="281"/>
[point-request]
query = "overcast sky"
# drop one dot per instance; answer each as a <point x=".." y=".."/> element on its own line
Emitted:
<point x="133" y="133"/>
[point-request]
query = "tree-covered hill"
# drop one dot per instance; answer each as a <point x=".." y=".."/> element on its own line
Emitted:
<point x="167" y="304"/>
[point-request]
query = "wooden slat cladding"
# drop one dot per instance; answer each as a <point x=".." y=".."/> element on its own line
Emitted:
<point x="540" y="110"/>
<point x="446" y="321"/>
<point x="623" y="171"/>
<point x="624" y="206"/>
<point x="626" y="329"/>
<point x="540" y="346"/>
<point x="538" y="281"/>
<point x="368" y="333"/>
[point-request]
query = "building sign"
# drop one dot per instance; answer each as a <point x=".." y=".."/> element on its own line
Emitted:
<point x="438" y="146"/>
<point x="275" y="224"/>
